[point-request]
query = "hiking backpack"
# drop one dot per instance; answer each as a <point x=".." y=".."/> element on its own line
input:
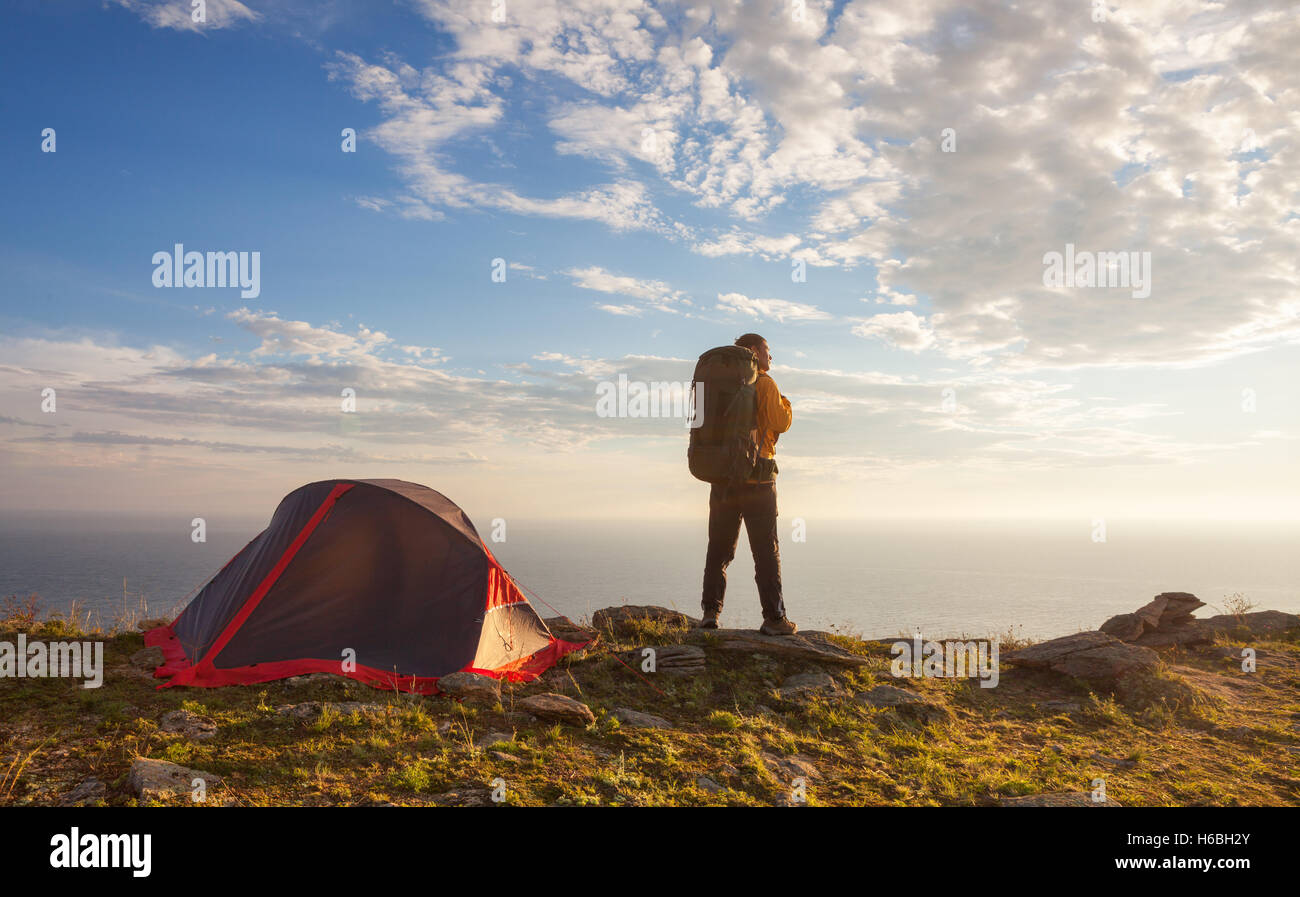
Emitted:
<point x="724" y="447"/>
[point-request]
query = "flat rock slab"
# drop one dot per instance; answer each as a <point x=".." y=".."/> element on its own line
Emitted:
<point x="1058" y="799"/>
<point x="188" y="725"/>
<point x="671" y="660"/>
<point x="808" y="647"/>
<point x="471" y="687"/>
<point x="1060" y="706"/>
<point x="158" y="779"/>
<point x="639" y="720"/>
<point x="312" y="679"/>
<point x="559" y="708"/>
<point x="1091" y="656"/>
<point x="313" y="709"/>
<point x="464" y="797"/>
<point x="629" y="618"/>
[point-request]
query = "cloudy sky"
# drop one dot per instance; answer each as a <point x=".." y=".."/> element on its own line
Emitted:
<point x="655" y="177"/>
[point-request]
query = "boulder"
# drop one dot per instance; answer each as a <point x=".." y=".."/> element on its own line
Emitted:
<point x="1107" y="663"/>
<point x="187" y="724"/>
<point x="629" y="618"/>
<point x="1166" y="611"/>
<point x="1126" y="627"/>
<point x="1092" y="656"/>
<point x="638" y="720"/>
<point x="805" y="647"/>
<point x="158" y="779"/>
<point x="559" y="708"/>
<point x="564" y="628"/>
<point x="1262" y="624"/>
<point x="471" y="687"/>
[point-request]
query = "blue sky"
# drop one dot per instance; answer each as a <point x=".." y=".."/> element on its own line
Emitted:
<point x="774" y="137"/>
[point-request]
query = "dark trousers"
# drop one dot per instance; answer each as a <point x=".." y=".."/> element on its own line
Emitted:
<point x="755" y="504"/>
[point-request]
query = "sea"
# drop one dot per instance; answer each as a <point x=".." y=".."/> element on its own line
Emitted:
<point x="881" y="578"/>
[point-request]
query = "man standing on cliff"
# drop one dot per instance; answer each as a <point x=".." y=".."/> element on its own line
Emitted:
<point x="754" y="502"/>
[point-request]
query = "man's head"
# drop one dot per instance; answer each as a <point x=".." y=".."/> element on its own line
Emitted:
<point x="756" y="344"/>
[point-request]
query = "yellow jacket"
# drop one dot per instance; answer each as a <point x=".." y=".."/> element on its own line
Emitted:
<point x="774" y="413"/>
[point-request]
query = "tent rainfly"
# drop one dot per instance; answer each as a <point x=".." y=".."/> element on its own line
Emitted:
<point x="382" y="581"/>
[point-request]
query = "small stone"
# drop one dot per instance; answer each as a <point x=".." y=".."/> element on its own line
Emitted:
<point x="804" y="685"/>
<point x="559" y="708"/>
<point x="1060" y="706"/>
<point x="707" y="784"/>
<point x="788" y="769"/>
<point x="503" y="757"/>
<point x="89" y="791"/>
<point x="313" y="709"/>
<point x="157" y="779"/>
<point x="1114" y="761"/>
<point x="637" y="719"/>
<point x="490" y="738"/>
<point x="187" y="724"/>
<point x="1058" y="799"/>
<point x="306" y="679"/>
<point x="148" y="658"/>
<point x="471" y="687"/>
<point x="903" y="702"/>
<point x="519" y="718"/>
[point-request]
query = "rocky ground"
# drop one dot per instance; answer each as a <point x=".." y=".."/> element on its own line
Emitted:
<point x="1153" y="708"/>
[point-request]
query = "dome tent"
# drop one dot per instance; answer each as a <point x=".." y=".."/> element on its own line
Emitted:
<point x="388" y="574"/>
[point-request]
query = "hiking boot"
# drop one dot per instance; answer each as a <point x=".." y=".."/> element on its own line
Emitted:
<point x="778" y="627"/>
<point x="710" y="621"/>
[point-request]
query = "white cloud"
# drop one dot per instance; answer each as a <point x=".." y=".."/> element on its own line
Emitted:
<point x="903" y="330"/>
<point x="776" y="309"/>
<point x="179" y="14"/>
